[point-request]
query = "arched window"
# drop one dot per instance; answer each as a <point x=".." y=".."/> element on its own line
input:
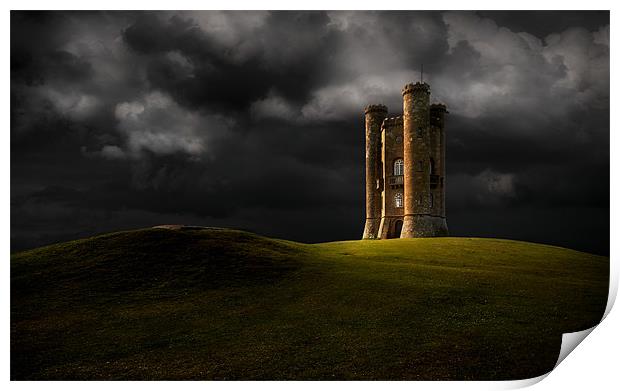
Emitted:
<point x="398" y="200"/>
<point x="432" y="166"/>
<point x="399" y="167"/>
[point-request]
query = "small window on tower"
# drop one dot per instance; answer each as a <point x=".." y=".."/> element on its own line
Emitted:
<point x="420" y="133"/>
<point x="398" y="200"/>
<point x="399" y="167"/>
<point x="431" y="200"/>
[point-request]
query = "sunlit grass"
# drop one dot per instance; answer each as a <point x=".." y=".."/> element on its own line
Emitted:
<point x="224" y="304"/>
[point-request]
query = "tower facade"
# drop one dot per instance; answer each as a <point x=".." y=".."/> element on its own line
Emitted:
<point x="405" y="168"/>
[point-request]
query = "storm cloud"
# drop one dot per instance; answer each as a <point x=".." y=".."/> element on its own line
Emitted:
<point x="254" y="120"/>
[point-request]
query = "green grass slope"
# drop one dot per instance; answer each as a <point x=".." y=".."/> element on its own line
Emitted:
<point x="225" y="304"/>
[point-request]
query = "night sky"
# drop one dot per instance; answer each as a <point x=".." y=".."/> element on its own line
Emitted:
<point x="254" y="120"/>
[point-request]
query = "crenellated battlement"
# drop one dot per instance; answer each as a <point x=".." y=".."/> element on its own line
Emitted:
<point x="439" y="107"/>
<point x="390" y="122"/>
<point x="417" y="87"/>
<point x="375" y="109"/>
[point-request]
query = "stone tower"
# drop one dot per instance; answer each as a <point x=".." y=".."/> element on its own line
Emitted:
<point x="405" y="168"/>
<point x="375" y="114"/>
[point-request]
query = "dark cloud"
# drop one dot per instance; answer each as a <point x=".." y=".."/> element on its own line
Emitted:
<point x="201" y="71"/>
<point x="254" y="120"/>
<point x="544" y="23"/>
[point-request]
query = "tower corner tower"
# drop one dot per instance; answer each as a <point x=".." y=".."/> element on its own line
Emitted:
<point x="422" y="139"/>
<point x="374" y="116"/>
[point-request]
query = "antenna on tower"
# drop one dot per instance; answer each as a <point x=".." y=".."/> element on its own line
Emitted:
<point x="422" y="74"/>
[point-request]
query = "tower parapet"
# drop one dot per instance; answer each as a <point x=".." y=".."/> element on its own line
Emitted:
<point x="376" y="109"/>
<point x="390" y="122"/>
<point x="413" y="87"/>
<point x="439" y="106"/>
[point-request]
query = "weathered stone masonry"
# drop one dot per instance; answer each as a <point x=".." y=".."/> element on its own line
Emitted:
<point x="405" y="168"/>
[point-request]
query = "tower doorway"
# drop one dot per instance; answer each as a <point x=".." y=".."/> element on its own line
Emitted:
<point x="398" y="226"/>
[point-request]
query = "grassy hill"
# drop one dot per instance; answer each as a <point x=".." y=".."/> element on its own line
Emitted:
<point x="224" y="304"/>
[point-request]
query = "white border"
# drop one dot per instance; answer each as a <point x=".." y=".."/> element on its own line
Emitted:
<point x="592" y="365"/>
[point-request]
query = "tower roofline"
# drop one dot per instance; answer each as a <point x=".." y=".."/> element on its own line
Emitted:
<point x="419" y="86"/>
<point x="439" y="107"/>
<point x="392" y="121"/>
<point x="380" y="108"/>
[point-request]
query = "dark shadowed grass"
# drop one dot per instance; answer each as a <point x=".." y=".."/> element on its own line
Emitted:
<point x="224" y="304"/>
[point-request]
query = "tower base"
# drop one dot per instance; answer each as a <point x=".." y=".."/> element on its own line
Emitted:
<point x="390" y="227"/>
<point x="371" y="229"/>
<point x="424" y="226"/>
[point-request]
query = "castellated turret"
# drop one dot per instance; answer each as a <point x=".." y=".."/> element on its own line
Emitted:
<point x="375" y="114"/>
<point x="405" y="168"/>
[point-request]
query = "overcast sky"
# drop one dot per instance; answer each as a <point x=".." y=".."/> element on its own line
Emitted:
<point x="254" y="120"/>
